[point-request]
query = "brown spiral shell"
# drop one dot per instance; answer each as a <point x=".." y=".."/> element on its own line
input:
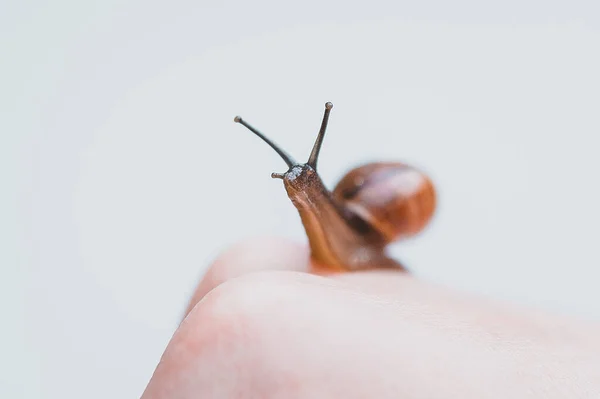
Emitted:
<point x="395" y="199"/>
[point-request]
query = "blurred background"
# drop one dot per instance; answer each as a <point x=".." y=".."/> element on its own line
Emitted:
<point x="123" y="175"/>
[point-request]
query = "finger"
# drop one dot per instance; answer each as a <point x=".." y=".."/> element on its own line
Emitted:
<point x="284" y="334"/>
<point x="276" y="254"/>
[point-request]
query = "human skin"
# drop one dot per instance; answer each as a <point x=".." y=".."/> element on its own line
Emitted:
<point x="265" y="322"/>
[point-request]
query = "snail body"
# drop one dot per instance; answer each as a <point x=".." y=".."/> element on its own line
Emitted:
<point x="373" y="205"/>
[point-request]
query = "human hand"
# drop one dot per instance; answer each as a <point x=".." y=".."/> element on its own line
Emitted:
<point x="266" y="323"/>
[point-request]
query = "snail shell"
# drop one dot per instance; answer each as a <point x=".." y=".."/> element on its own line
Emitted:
<point x="395" y="199"/>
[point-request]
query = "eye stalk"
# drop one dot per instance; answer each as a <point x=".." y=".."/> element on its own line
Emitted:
<point x="314" y="155"/>
<point x="284" y="155"/>
<point x="290" y="162"/>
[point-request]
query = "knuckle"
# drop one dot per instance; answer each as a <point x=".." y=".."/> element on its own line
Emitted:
<point x="223" y="333"/>
<point x="250" y="255"/>
<point x="245" y="299"/>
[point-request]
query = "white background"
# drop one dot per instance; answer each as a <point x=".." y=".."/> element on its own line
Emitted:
<point x="123" y="174"/>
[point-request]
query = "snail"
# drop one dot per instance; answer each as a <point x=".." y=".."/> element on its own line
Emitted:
<point x="372" y="206"/>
